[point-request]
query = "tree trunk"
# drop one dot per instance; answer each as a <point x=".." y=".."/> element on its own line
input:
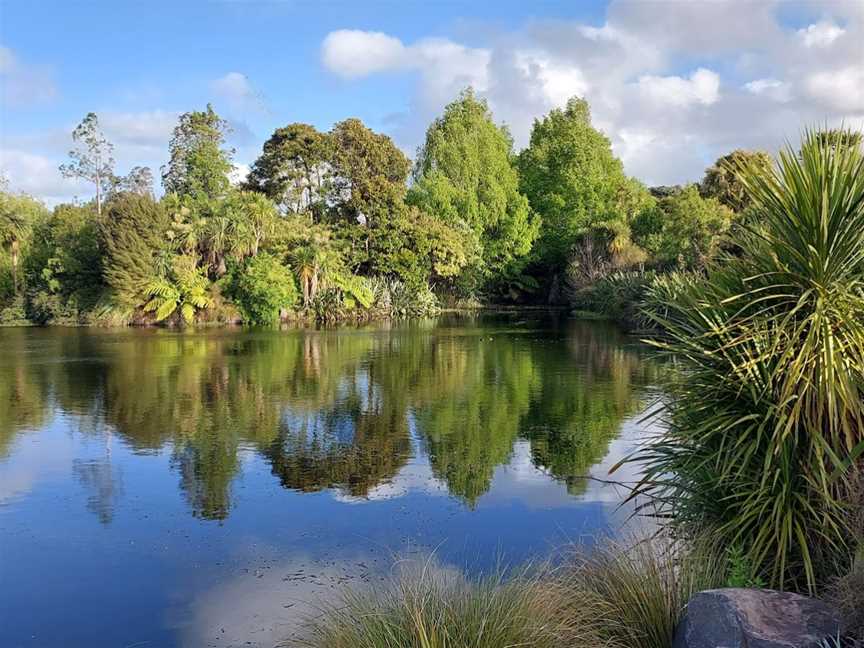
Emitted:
<point x="15" y="247"/>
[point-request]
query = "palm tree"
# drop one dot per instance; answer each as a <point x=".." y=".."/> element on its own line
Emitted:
<point x="16" y="214"/>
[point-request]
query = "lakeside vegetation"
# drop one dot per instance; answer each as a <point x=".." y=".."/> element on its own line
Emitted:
<point x="753" y="280"/>
<point x="340" y="225"/>
<point x="760" y="450"/>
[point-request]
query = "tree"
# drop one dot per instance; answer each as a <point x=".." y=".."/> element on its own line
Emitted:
<point x="17" y="216"/>
<point x="721" y="179"/>
<point x="683" y="229"/>
<point x="199" y="164"/>
<point x="91" y="158"/>
<point x="293" y="169"/>
<point x="139" y="181"/>
<point x="573" y="181"/>
<point x="133" y="237"/>
<point x="464" y="175"/>
<point x="368" y="185"/>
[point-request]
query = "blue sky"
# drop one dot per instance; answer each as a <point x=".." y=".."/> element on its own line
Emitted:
<point x="672" y="83"/>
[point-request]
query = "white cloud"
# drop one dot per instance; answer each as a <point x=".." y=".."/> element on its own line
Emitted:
<point x="842" y="89"/>
<point x="39" y="176"/>
<point x="759" y="82"/>
<point x="703" y="87"/>
<point x="352" y="54"/>
<point x="774" y="88"/>
<point x="23" y="85"/>
<point x="237" y="90"/>
<point x="821" y="34"/>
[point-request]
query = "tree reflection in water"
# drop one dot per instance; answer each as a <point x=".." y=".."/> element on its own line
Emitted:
<point x="343" y="409"/>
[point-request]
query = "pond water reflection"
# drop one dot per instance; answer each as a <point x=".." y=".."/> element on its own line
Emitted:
<point x="154" y="484"/>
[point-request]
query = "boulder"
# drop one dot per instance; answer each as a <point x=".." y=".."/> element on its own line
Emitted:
<point x="755" y="618"/>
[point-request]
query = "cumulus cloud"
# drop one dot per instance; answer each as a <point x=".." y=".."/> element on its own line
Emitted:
<point x="753" y="80"/>
<point x="30" y="162"/>
<point x="841" y="89"/>
<point x="352" y="54"/>
<point x="703" y="87"/>
<point x="22" y="84"/>
<point x="774" y="88"/>
<point x="821" y="34"/>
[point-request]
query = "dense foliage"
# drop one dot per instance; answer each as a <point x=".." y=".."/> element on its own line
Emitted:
<point x="357" y="230"/>
<point x="765" y="419"/>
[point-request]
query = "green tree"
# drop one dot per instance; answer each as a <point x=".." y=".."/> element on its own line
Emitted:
<point x="17" y="216"/>
<point x="91" y="158"/>
<point x="464" y="176"/>
<point x="262" y="288"/>
<point x="721" y="179"/>
<point x="199" y="163"/>
<point x="575" y="183"/>
<point x="133" y="237"/>
<point x="63" y="265"/>
<point x="683" y="229"/>
<point x="293" y="169"/>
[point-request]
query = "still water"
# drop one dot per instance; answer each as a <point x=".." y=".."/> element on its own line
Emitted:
<point x="211" y="488"/>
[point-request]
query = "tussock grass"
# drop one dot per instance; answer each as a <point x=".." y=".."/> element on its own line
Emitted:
<point x="614" y="596"/>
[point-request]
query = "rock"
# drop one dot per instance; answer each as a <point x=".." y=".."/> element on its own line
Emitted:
<point x="755" y="618"/>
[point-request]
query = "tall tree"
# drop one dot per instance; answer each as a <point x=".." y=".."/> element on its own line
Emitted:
<point x="721" y="179"/>
<point x="133" y="236"/>
<point x="199" y="163"/>
<point x="367" y="188"/>
<point x="293" y="169"/>
<point x="464" y="175"/>
<point x="572" y="180"/>
<point x="91" y="158"/>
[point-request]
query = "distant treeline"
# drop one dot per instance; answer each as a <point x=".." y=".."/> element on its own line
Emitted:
<point x="341" y="225"/>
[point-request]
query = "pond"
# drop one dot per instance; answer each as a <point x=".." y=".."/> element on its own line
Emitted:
<point x="210" y="488"/>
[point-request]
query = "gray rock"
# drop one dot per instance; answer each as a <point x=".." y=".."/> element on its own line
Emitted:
<point x="755" y="618"/>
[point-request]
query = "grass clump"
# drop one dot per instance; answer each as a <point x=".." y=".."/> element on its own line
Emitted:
<point x="613" y="596"/>
<point x="435" y="608"/>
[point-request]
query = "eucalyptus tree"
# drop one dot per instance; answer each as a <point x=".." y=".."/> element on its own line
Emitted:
<point x="91" y="158"/>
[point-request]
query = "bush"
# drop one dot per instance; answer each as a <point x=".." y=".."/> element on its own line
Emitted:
<point x="618" y="296"/>
<point x="262" y="288"/>
<point x="395" y="298"/>
<point x="767" y="413"/>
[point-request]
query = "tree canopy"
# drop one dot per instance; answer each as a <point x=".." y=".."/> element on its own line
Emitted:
<point x="464" y="176"/>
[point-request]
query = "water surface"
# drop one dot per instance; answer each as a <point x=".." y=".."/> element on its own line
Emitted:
<point x="166" y="488"/>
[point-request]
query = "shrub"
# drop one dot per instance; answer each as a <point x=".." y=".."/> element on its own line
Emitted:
<point x="768" y="410"/>
<point x="618" y="296"/>
<point x="262" y="288"/>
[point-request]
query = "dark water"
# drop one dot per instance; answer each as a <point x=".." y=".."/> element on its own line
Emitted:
<point x="203" y="489"/>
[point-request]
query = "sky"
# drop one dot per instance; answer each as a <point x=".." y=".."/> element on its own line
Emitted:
<point x="674" y="84"/>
